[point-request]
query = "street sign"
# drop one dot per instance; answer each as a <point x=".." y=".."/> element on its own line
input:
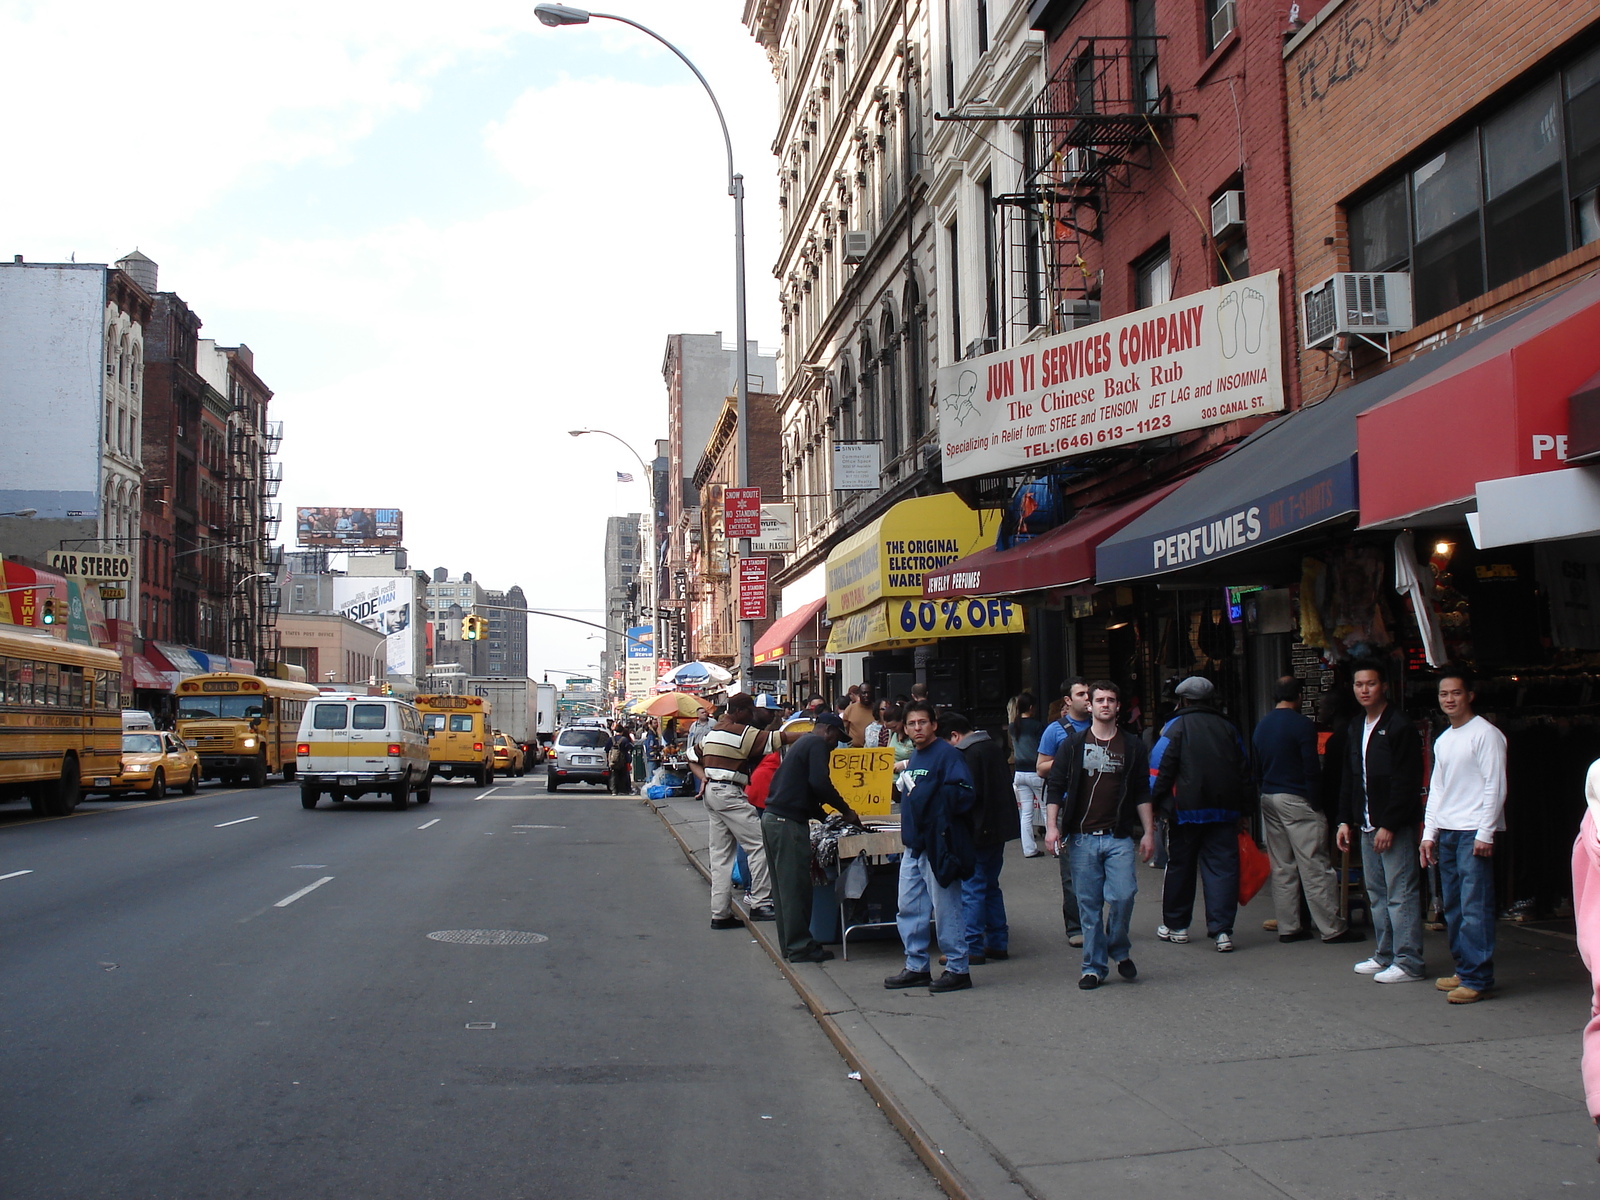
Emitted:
<point x="777" y="530"/>
<point x="92" y="568"/>
<point x="741" y="513"/>
<point x="113" y="593"/>
<point x="752" y="589"/>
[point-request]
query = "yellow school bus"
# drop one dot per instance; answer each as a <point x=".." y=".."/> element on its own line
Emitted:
<point x="460" y="742"/>
<point x="60" y="719"/>
<point x="243" y="726"/>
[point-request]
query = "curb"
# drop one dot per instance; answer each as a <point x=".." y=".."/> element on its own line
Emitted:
<point x="954" y="1183"/>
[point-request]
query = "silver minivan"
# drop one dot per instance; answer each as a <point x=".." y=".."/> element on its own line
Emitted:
<point x="349" y="746"/>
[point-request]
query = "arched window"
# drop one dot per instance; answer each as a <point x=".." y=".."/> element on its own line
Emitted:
<point x="917" y="388"/>
<point x="846" y="391"/>
<point x="868" y="403"/>
<point x="889" y="387"/>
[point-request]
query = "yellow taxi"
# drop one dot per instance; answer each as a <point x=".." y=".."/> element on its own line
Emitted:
<point x="153" y="761"/>
<point x="508" y="756"/>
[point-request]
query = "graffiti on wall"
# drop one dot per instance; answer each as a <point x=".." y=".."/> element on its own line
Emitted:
<point x="1350" y="41"/>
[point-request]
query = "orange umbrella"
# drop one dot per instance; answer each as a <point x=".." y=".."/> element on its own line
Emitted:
<point x="672" y="704"/>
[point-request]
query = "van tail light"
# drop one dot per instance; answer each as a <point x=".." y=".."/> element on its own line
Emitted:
<point x="303" y="748"/>
<point x="394" y="750"/>
<point x="477" y="745"/>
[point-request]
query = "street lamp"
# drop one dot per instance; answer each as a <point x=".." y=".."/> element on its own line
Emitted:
<point x="562" y="14"/>
<point x="647" y="541"/>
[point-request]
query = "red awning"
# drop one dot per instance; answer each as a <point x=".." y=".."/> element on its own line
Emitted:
<point x="143" y="673"/>
<point x="1491" y="412"/>
<point x="1061" y="558"/>
<point x="774" y="643"/>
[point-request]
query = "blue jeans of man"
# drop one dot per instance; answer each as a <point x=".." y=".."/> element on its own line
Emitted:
<point x="983" y="903"/>
<point x="1394" y="891"/>
<point x="1106" y="882"/>
<point x="1467" y="882"/>
<point x="923" y="902"/>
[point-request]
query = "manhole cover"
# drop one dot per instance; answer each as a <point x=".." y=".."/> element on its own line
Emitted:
<point x="488" y="937"/>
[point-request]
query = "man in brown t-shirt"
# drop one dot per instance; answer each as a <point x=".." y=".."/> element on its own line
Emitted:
<point x="859" y="715"/>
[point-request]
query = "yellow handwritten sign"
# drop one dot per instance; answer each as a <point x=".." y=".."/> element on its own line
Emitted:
<point x="864" y="777"/>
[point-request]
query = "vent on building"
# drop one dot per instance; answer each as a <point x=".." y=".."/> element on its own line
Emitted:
<point x="1356" y="303"/>
<point x="855" y="245"/>
<point x="1227" y="215"/>
<point x="1223" y="21"/>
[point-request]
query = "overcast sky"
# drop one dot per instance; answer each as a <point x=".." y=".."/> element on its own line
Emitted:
<point x="448" y="233"/>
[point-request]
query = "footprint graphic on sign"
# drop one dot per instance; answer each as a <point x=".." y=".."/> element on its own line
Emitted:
<point x="959" y="405"/>
<point x="1254" y="312"/>
<point x="1228" y="324"/>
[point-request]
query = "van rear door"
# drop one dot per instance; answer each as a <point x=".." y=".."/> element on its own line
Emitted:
<point x="330" y="737"/>
<point x="370" y="736"/>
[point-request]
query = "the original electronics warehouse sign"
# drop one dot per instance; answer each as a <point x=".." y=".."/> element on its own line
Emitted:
<point x="1202" y="360"/>
<point x="385" y="605"/>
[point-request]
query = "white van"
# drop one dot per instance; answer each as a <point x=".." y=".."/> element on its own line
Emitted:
<point x="351" y="745"/>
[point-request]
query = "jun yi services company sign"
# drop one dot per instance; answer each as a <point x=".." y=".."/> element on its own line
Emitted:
<point x="1202" y="360"/>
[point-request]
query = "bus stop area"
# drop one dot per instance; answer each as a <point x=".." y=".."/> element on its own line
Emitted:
<point x="1274" y="1071"/>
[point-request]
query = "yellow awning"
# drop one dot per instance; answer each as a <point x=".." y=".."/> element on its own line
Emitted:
<point x="890" y="556"/>
<point x="895" y="624"/>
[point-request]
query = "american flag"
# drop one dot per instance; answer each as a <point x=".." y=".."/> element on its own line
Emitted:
<point x="624" y="477"/>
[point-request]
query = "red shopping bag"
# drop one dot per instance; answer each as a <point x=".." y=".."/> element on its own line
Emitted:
<point x="1254" y="868"/>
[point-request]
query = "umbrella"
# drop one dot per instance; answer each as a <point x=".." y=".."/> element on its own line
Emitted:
<point x="671" y="704"/>
<point x="696" y="675"/>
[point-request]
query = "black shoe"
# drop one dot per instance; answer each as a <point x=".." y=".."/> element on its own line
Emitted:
<point x="817" y="955"/>
<point x="997" y="955"/>
<point x="1089" y="982"/>
<point x="909" y="979"/>
<point x="1340" y="939"/>
<point x="976" y="960"/>
<point x="951" y="982"/>
<point x="1300" y="935"/>
<point x="763" y="912"/>
<point x="1127" y="970"/>
<point x="726" y="923"/>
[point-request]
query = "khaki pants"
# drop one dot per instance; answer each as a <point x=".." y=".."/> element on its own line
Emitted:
<point x="734" y="823"/>
<point x="1297" y="844"/>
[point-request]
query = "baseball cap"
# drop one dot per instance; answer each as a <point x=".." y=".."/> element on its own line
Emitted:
<point x="1196" y="687"/>
<point x="833" y="720"/>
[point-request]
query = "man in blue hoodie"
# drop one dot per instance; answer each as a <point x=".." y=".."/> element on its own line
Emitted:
<point x="939" y="854"/>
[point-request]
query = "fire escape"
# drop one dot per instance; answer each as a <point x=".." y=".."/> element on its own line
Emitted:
<point x="253" y="478"/>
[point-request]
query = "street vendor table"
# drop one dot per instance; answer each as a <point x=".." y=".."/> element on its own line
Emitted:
<point x="882" y="891"/>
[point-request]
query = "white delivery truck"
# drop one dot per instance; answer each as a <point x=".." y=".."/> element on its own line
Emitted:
<point x="510" y="697"/>
<point x="544" y="722"/>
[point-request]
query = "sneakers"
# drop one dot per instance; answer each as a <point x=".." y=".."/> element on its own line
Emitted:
<point x="1299" y="935"/>
<point x="1344" y="938"/>
<point x="1089" y="982"/>
<point x="1176" y="936"/>
<point x="908" y="979"/>
<point x="1075" y="940"/>
<point x="1127" y="970"/>
<point x="1395" y="973"/>
<point x="1369" y="966"/>
<point x="726" y="923"/>
<point x="1224" y="942"/>
<point x="951" y="982"/>
<point x="1466" y="995"/>
<point x="1448" y="984"/>
<point x="763" y="912"/>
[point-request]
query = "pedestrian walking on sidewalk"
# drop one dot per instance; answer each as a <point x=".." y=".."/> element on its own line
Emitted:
<point x="1287" y="772"/>
<point x="621" y="762"/>
<point x="994" y="824"/>
<point x="936" y="830"/>
<point x="1202" y="786"/>
<point x="1025" y="729"/>
<point x="1098" y="804"/>
<point x="1466" y="808"/>
<point x="1382" y="797"/>
<point x="1586" y="907"/>
<point x="800" y="788"/>
<point x="1074" y="718"/>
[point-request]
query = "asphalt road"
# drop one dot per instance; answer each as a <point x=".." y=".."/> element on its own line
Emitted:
<point x="227" y="995"/>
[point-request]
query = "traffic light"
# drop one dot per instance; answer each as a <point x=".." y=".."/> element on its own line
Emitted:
<point x="474" y="629"/>
<point x="48" y="615"/>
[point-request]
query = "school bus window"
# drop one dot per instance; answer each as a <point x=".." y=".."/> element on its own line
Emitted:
<point x="460" y="723"/>
<point x="74" y="686"/>
<point x="235" y="707"/>
<point x="434" y="721"/>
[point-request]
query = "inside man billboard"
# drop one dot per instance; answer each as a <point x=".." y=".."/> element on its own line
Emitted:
<point x="386" y="604"/>
<point x="348" y="527"/>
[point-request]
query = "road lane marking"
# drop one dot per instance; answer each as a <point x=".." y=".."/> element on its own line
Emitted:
<point x="486" y="795"/>
<point x="538" y="827"/>
<point x="293" y="896"/>
<point x="435" y="821"/>
<point x="14" y="874"/>
<point x="240" y="821"/>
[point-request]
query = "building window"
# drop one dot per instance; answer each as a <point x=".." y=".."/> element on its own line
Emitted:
<point x="1221" y="17"/>
<point x="949" y="63"/>
<point x="869" y="393"/>
<point x="890" y="389"/>
<point x="1146" y="75"/>
<point x="983" y="26"/>
<point x="991" y="267"/>
<point x="1152" y="279"/>
<point x="954" y="237"/>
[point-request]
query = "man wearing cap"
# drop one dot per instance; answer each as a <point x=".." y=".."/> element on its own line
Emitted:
<point x="1202" y="786"/>
<point x="799" y="790"/>
<point x="1075" y="718"/>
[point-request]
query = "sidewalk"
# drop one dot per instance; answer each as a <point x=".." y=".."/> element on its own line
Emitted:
<point x="1274" y="1071"/>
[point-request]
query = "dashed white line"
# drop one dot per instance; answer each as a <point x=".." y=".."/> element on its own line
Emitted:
<point x="240" y="821"/>
<point x="14" y="874"/>
<point x="486" y="795"/>
<point x="293" y="896"/>
<point x="435" y="821"/>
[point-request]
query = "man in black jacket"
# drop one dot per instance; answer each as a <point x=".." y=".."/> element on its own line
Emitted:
<point x="1381" y="795"/>
<point x="1203" y="788"/>
<point x="995" y="822"/>
<point x="1097" y="800"/>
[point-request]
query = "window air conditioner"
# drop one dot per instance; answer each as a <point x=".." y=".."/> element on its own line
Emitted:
<point x="983" y="345"/>
<point x="1075" y="314"/>
<point x="1227" y="215"/>
<point x="855" y="245"/>
<point x="1356" y="303"/>
<point x="1223" y="22"/>
<point x="1075" y="164"/>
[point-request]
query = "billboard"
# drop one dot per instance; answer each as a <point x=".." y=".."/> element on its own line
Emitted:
<point x="348" y="527"/>
<point x="640" y="657"/>
<point x="1204" y="359"/>
<point x="388" y="605"/>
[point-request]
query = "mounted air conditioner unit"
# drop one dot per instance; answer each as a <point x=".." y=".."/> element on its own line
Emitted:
<point x="1075" y="314"/>
<point x="1223" y="22"/>
<point x="1356" y="303"/>
<point x="983" y="345"/>
<point x="1227" y="215"/>
<point x="1075" y="163"/>
<point x="856" y="243"/>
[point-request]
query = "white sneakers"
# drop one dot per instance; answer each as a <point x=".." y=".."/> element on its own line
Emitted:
<point x="1224" y="942"/>
<point x="1369" y="966"/>
<point x="1393" y="973"/>
<point x="1178" y="936"/>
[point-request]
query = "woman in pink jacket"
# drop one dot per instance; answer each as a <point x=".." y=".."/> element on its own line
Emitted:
<point x="1586" y="901"/>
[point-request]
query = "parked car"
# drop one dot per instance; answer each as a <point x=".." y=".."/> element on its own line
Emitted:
<point x="152" y="762"/>
<point x="508" y="756"/>
<point x="580" y="757"/>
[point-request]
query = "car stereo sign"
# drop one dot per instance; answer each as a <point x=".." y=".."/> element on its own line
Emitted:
<point x="1203" y="360"/>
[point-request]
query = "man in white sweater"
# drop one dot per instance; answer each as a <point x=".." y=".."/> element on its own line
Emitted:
<point x="1466" y="808"/>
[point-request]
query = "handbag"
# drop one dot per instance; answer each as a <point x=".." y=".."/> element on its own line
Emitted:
<point x="1254" y="868"/>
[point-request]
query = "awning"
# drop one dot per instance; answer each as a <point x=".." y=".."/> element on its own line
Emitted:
<point x="1583" y="421"/>
<point x="1545" y="507"/>
<point x="144" y="674"/>
<point x="774" y="643"/>
<point x="1498" y="410"/>
<point x="184" y="661"/>
<point x="1061" y="558"/>
<point x="1288" y="477"/>
<point x="889" y="556"/>
<point x="897" y="624"/>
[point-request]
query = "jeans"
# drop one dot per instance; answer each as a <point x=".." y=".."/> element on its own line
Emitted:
<point x="1069" y="898"/>
<point x="1297" y="844"/>
<point x="1394" y="891"/>
<point x="1211" y="849"/>
<point x="922" y="902"/>
<point x="1029" y="789"/>
<point x="1106" y="881"/>
<point x="1468" y="885"/>
<point x="983" y="905"/>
